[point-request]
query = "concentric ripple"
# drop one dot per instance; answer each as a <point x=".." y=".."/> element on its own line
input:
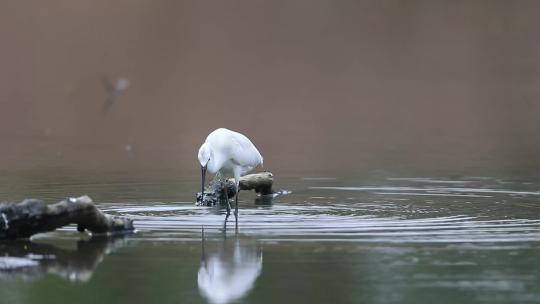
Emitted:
<point x="397" y="210"/>
<point x="305" y="223"/>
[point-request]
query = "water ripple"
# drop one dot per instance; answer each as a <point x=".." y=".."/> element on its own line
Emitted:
<point x="324" y="223"/>
<point x="444" y="190"/>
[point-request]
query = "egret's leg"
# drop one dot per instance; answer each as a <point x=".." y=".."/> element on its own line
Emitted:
<point x="236" y="201"/>
<point x="237" y="184"/>
<point x="236" y="207"/>
<point x="227" y="200"/>
<point x="225" y="227"/>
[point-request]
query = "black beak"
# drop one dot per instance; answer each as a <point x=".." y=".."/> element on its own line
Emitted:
<point x="203" y="173"/>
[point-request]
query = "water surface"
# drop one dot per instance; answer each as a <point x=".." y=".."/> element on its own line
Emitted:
<point x="342" y="239"/>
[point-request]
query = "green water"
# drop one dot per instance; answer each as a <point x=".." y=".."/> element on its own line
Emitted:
<point x="342" y="239"/>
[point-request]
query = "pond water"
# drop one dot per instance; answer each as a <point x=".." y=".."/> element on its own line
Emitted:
<point x="328" y="238"/>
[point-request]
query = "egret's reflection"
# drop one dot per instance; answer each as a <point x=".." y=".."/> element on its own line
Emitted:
<point x="229" y="272"/>
<point x="30" y="261"/>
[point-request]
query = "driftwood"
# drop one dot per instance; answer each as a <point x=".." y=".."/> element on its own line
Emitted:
<point x="261" y="183"/>
<point x="31" y="216"/>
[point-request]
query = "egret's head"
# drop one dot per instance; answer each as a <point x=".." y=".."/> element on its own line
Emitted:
<point x="205" y="153"/>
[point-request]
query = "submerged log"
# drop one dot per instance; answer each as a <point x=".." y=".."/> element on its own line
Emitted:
<point x="31" y="216"/>
<point x="261" y="183"/>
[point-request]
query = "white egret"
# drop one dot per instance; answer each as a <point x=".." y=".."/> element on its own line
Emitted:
<point x="229" y="153"/>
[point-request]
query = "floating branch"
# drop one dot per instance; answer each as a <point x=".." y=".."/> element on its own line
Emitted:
<point x="259" y="182"/>
<point x="31" y="216"/>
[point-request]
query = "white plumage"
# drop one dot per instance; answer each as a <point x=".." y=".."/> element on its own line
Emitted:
<point x="229" y="153"/>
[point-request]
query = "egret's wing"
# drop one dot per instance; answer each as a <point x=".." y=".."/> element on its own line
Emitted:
<point x="244" y="152"/>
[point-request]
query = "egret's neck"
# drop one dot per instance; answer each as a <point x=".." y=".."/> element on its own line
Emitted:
<point x="216" y="162"/>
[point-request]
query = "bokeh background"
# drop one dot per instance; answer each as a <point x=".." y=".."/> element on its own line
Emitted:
<point x="317" y="85"/>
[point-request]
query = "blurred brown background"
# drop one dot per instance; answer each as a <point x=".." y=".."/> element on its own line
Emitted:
<point x="317" y="85"/>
